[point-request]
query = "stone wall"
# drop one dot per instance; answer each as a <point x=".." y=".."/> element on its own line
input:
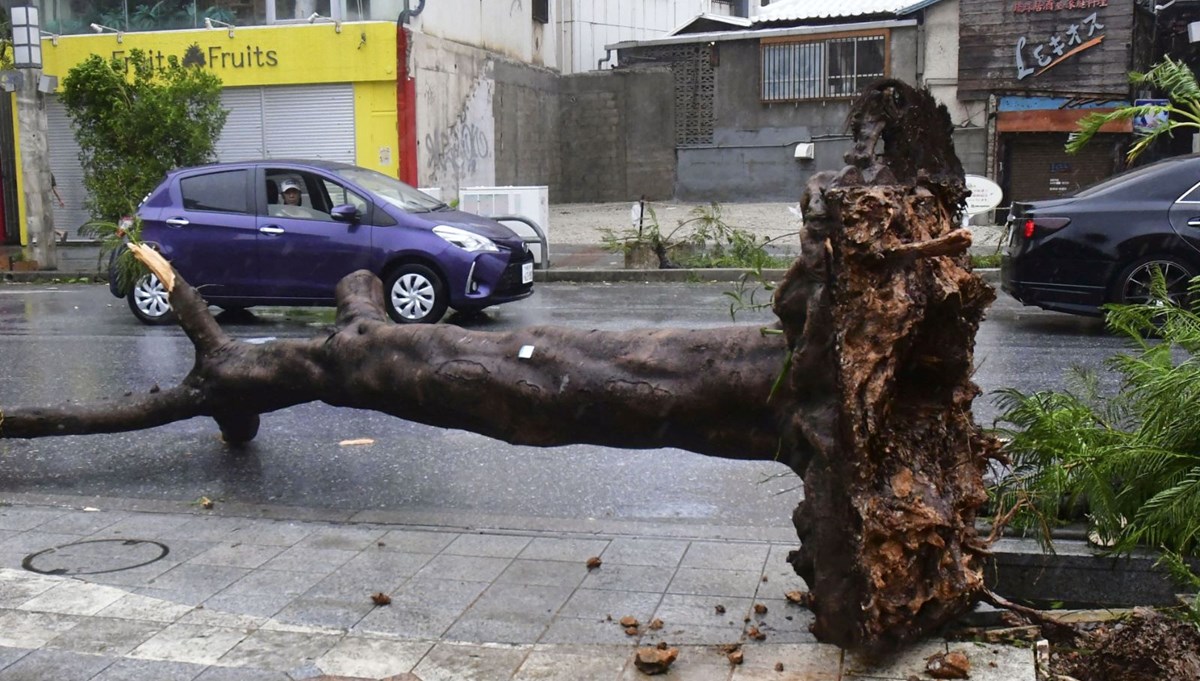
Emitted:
<point x="617" y="135"/>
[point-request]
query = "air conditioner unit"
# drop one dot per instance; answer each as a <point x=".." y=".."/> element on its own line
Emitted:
<point x="1194" y="32"/>
<point x="532" y="203"/>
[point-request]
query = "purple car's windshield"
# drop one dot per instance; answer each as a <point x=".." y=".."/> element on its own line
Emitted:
<point x="391" y="190"/>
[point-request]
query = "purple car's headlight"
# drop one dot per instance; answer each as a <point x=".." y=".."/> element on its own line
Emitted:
<point x="468" y="241"/>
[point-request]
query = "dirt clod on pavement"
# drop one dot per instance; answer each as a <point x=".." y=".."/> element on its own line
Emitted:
<point x="1148" y="646"/>
<point x="653" y="661"/>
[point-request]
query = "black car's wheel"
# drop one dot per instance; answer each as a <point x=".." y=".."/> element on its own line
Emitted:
<point x="148" y="299"/>
<point x="1133" y="284"/>
<point x="415" y="294"/>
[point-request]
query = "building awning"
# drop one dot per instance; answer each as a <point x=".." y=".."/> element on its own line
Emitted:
<point x="1054" y="120"/>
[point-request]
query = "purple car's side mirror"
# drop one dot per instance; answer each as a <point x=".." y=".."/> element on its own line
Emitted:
<point x="344" y="213"/>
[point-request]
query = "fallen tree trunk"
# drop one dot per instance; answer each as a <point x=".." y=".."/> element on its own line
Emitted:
<point x="701" y="390"/>
<point x="875" y="341"/>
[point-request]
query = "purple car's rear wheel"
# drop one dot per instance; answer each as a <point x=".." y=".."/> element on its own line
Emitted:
<point x="415" y="294"/>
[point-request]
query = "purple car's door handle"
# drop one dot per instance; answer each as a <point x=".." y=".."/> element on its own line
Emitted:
<point x="271" y="230"/>
<point x="178" y="222"/>
<point x="1194" y="222"/>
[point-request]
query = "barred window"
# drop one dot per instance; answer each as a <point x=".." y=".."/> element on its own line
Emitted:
<point x="821" y="69"/>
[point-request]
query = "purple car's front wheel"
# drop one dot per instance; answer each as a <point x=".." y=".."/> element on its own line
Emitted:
<point x="415" y="294"/>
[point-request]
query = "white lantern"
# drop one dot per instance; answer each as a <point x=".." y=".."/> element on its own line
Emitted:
<point x="27" y="37"/>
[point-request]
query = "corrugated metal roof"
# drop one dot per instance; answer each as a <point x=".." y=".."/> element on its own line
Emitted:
<point x="801" y="10"/>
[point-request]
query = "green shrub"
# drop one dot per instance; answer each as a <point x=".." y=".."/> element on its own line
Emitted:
<point x="1134" y="457"/>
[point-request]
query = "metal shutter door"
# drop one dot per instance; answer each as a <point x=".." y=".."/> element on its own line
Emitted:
<point x="242" y="137"/>
<point x="68" y="173"/>
<point x="310" y="121"/>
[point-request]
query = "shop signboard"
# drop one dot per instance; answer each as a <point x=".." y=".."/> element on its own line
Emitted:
<point x="1044" y="46"/>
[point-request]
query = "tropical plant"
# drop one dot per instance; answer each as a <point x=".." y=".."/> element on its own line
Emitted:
<point x="135" y="121"/>
<point x="1176" y="80"/>
<point x="1132" y="458"/>
<point x="5" y="41"/>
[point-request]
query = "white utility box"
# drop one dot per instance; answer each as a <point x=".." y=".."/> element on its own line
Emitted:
<point x="528" y="202"/>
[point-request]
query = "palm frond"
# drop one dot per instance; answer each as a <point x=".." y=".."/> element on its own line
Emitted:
<point x="1176" y="80"/>
<point x="1172" y="77"/>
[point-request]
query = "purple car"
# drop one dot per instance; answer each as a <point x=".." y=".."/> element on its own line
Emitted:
<point x="240" y="235"/>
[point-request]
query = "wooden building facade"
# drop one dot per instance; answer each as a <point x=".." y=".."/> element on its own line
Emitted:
<point x="1041" y="65"/>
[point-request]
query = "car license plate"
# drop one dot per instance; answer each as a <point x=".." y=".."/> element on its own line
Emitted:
<point x="527" y="273"/>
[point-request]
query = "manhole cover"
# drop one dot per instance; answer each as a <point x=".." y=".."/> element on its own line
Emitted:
<point x="95" y="556"/>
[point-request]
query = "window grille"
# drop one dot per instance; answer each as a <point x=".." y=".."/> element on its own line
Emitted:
<point x="822" y="69"/>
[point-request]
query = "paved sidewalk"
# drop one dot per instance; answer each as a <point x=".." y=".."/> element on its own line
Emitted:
<point x="180" y="593"/>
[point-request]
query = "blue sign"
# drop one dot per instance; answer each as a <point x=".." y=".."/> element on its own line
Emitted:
<point x="1148" y="123"/>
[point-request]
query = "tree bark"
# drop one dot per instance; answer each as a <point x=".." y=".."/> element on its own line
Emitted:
<point x="864" y="390"/>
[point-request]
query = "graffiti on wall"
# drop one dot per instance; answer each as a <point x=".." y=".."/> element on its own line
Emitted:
<point x="459" y="152"/>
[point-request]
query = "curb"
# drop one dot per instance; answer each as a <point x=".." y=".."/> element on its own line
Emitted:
<point x="990" y="274"/>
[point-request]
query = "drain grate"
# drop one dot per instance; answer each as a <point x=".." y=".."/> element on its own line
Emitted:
<point x="95" y="556"/>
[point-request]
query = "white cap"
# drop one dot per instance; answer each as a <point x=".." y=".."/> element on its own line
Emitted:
<point x="289" y="184"/>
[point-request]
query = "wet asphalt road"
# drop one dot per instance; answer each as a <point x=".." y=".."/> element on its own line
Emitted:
<point x="76" y="342"/>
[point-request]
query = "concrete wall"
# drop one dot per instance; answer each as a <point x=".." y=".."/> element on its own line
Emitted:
<point x="456" y="132"/>
<point x="939" y="72"/>
<point x="617" y="136"/>
<point x="526" y="108"/>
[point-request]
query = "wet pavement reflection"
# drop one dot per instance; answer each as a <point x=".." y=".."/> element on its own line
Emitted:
<point x="77" y="342"/>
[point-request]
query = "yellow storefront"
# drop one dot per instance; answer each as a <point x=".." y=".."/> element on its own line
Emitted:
<point x="292" y="91"/>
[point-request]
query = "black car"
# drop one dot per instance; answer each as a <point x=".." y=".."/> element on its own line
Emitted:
<point x="1102" y="244"/>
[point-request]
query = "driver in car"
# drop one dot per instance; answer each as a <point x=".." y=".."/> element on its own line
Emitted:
<point x="291" y="207"/>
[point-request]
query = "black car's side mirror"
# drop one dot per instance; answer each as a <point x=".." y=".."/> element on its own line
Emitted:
<point x="345" y="213"/>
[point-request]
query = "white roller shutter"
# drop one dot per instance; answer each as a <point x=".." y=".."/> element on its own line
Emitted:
<point x="288" y="121"/>
<point x="68" y="173"/>
<point x="241" y="139"/>
<point x="280" y="121"/>
<point x="310" y="121"/>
